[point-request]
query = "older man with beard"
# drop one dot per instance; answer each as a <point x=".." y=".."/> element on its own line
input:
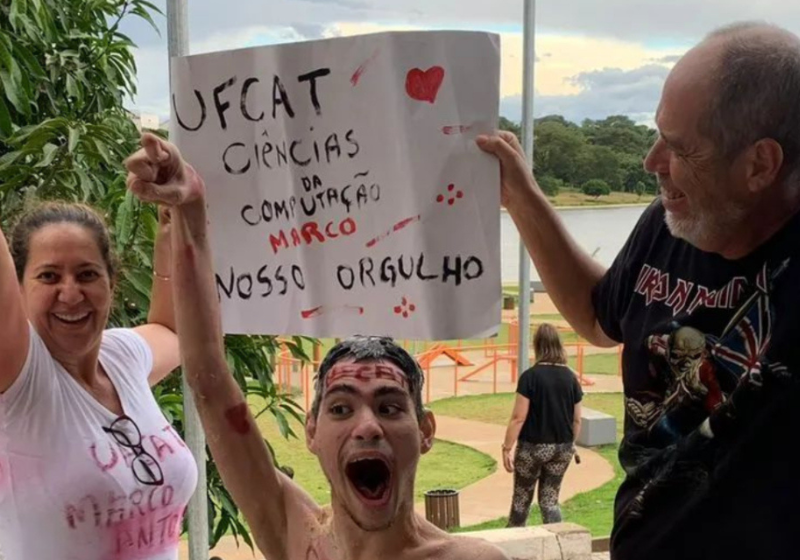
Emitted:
<point x="717" y="252"/>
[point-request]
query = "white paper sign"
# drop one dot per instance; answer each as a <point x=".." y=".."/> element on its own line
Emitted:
<point x="345" y="190"/>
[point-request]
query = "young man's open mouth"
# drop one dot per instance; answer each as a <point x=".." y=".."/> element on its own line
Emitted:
<point x="371" y="479"/>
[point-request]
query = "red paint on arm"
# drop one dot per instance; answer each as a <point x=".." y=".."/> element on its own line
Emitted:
<point x="237" y="418"/>
<point x="191" y="255"/>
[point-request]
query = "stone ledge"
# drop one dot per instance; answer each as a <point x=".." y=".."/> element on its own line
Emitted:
<point x="558" y="541"/>
<point x="597" y="428"/>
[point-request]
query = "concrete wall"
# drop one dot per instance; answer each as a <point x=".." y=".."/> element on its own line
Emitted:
<point x="558" y="541"/>
<point x="597" y="428"/>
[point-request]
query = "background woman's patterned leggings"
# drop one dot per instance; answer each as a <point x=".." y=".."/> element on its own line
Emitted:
<point x="547" y="463"/>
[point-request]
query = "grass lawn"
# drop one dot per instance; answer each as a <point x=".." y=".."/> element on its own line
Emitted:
<point x="416" y="347"/>
<point x="594" y="509"/>
<point x="597" y="364"/>
<point x="447" y="465"/>
<point x="547" y="318"/>
<point x="574" y="197"/>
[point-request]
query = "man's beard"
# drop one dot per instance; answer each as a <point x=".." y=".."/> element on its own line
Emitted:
<point x="707" y="229"/>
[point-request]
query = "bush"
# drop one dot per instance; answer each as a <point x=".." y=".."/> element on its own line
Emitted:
<point x="550" y="185"/>
<point x="595" y="188"/>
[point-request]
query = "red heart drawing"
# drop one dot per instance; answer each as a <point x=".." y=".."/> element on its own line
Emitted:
<point x="424" y="85"/>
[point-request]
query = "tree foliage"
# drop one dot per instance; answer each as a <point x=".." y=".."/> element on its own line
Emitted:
<point x="610" y="149"/>
<point x="595" y="188"/>
<point x="65" y="72"/>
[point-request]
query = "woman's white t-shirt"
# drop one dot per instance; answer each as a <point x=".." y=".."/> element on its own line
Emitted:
<point x="67" y="488"/>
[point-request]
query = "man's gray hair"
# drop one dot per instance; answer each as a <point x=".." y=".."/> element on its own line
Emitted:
<point x="756" y="92"/>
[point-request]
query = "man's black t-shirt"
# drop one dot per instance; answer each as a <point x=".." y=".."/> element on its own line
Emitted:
<point x="553" y="392"/>
<point x="710" y="367"/>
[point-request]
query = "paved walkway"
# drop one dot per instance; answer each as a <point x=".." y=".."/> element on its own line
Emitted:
<point x="487" y="499"/>
<point x="490" y="498"/>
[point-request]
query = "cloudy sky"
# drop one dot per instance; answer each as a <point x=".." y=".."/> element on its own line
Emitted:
<point x="594" y="58"/>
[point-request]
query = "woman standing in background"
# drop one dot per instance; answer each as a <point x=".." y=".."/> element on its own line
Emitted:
<point x="543" y="428"/>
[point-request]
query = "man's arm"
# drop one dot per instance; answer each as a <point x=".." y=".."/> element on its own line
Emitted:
<point x="158" y="174"/>
<point x="236" y="444"/>
<point x="568" y="273"/>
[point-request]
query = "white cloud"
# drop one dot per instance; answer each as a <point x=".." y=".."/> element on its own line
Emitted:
<point x="611" y="91"/>
<point x="579" y="44"/>
<point x="677" y="22"/>
<point x="153" y="62"/>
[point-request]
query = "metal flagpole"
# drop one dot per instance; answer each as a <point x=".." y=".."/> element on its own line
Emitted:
<point x="528" y="60"/>
<point x="197" y="513"/>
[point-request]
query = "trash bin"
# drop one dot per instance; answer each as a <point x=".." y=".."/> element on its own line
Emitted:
<point x="441" y="508"/>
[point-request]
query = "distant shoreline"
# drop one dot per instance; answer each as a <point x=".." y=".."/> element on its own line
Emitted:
<point x="598" y="206"/>
<point x="586" y="206"/>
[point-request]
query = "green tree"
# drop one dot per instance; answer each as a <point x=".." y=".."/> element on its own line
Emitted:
<point x="619" y="133"/>
<point x="598" y="162"/>
<point x="557" y="149"/>
<point x="65" y="69"/>
<point x="595" y="188"/>
<point x="634" y="173"/>
<point x="550" y="185"/>
<point x="511" y="126"/>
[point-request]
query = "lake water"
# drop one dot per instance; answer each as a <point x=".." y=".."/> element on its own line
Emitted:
<point x="602" y="231"/>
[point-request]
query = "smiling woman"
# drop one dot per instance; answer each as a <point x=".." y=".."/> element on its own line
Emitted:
<point x="86" y="448"/>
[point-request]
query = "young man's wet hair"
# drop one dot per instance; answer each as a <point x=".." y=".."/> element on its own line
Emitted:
<point x="362" y="349"/>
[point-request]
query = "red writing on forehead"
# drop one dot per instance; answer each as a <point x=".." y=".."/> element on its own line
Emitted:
<point x="364" y="372"/>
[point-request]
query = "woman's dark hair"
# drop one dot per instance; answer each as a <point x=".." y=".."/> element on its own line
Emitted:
<point x="49" y="213"/>
<point x="547" y="345"/>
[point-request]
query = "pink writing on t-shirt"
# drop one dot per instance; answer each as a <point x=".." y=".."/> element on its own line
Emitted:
<point x="115" y="509"/>
<point x="107" y="455"/>
<point x="150" y="534"/>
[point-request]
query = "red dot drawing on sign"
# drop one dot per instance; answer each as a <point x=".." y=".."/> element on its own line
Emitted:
<point x="405" y="309"/>
<point x="423" y="85"/>
<point x="452" y="195"/>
